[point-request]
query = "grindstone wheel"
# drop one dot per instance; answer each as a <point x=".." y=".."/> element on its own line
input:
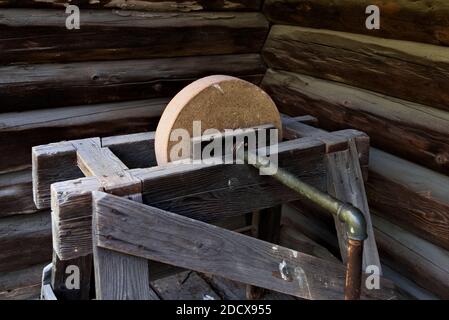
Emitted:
<point x="219" y="102"/>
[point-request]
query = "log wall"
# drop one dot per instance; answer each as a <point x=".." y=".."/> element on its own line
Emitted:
<point x="420" y="20"/>
<point x="390" y="83"/>
<point x="112" y="76"/>
<point x="115" y="75"/>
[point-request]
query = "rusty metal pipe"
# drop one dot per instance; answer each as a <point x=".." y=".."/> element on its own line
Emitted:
<point x="353" y="281"/>
<point x="348" y="214"/>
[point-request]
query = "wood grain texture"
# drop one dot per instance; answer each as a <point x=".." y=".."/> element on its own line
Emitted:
<point x="40" y="127"/>
<point x="72" y="217"/>
<point x="104" y="35"/>
<point x="147" y="5"/>
<point x="25" y="87"/>
<point x="208" y="199"/>
<point x="345" y="182"/>
<point x="266" y="226"/>
<point x="409" y="130"/>
<point x="210" y="249"/>
<point x="16" y="193"/>
<point x="232" y="290"/>
<point x="417" y="260"/>
<point x="292" y="238"/>
<point x="410" y="196"/>
<point x="187" y="285"/>
<point x="422" y="21"/>
<point x="52" y="163"/>
<point x="134" y="150"/>
<point x="227" y="190"/>
<point x="111" y="172"/>
<point x="21" y="284"/>
<point x="335" y="141"/>
<point x="424" y="263"/>
<point x="25" y="241"/>
<point x="156" y="234"/>
<point x="407" y="70"/>
<point x="120" y="276"/>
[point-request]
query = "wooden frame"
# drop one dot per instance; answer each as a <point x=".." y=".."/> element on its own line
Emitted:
<point x="59" y="167"/>
<point x="124" y="232"/>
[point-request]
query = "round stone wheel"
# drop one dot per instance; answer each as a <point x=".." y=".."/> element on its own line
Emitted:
<point x="219" y="102"/>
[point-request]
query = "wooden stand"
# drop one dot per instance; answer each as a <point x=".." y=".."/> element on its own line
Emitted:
<point x="144" y="212"/>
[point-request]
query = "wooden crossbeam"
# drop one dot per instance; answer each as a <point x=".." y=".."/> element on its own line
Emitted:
<point x="206" y="192"/>
<point x="200" y="191"/>
<point x="137" y="151"/>
<point x="147" y="232"/>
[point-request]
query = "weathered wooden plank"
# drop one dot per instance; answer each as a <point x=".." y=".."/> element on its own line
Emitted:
<point x="291" y="238"/>
<point x="424" y="263"/>
<point x="266" y="224"/>
<point x="147" y="5"/>
<point x="409" y="130"/>
<point x="137" y="150"/>
<point x="52" y="163"/>
<point x="16" y="193"/>
<point x="72" y="217"/>
<point x="314" y="224"/>
<point x="104" y="35"/>
<point x="108" y="173"/>
<point x="25" y="87"/>
<point x="112" y="174"/>
<point x="407" y="286"/>
<point x="422" y="21"/>
<point x="21" y="284"/>
<point x="155" y="234"/>
<point x="320" y="228"/>
<point x="237" y="224"/>
<point x="229" y="190"/>
<point x="35" y="128"/>
<point x="335" y="141"/>
<point x="134" y="150"/>
<point x="25" y="240"/>
<point x="345" y="182"/>
<point x="418" y="260"/>
<point x="208" y="199"/>
<point x="407" y="70"/>
<point x="413" y="197"/>
<point x="186" y="285"/>
<point x="120" y="276"/>
<point x="232" y="290"/>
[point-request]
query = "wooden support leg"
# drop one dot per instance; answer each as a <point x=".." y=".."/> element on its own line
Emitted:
<point x="345" y="182"/>
<point x="266" y="226"/>
<point x="120" y="276"/>
<point x="70" y="279"/>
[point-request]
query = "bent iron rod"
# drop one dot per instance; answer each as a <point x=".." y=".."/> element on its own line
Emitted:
<point x="348" y="214"/>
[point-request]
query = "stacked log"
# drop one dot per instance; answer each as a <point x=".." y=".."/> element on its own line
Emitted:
<point x="147" y="5"/>
<point x="421" y="21"/>
<point x="392" y="84"/>
<point x="112" y="76"/>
